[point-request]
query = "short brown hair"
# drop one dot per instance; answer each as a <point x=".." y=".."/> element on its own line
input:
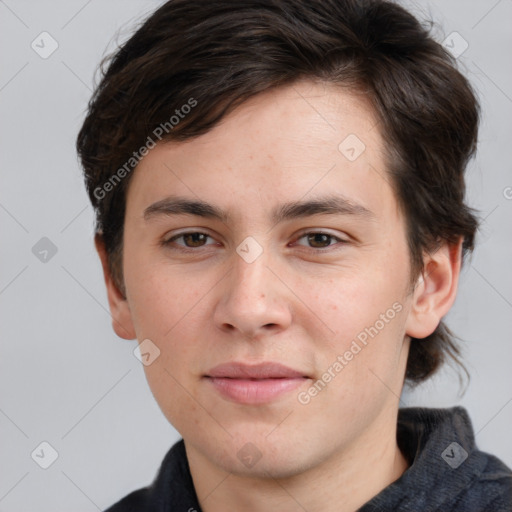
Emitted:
<point x="219" y="54"/>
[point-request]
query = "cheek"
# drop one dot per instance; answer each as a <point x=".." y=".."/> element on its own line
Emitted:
<point x="362" y="365"/>
<point x="172" y="308"/>
<point x="367" y="313"/>
<point x="351" y="304"/>
<point x="161" y="299"/>
<point x="167" y="312"/>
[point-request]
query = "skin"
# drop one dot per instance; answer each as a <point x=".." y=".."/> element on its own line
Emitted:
<point x="301" y="302"/>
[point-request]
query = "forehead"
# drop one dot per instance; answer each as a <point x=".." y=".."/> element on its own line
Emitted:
<point x="306" y="138"/>
<point x="295" y="123"/>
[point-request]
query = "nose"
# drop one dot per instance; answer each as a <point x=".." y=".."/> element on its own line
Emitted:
<point x="254" y="301"/>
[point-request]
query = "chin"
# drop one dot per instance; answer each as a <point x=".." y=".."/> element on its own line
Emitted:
<point x="260" y="457"/>
<point x="280" y="467"/>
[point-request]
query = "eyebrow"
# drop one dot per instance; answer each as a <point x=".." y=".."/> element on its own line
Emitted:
<point x="330" y="205"/>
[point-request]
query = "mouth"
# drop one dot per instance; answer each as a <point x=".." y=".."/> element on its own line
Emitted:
<point x="254" y="384"/>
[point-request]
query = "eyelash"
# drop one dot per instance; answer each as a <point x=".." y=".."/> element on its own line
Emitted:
<point x="185" y="249"/>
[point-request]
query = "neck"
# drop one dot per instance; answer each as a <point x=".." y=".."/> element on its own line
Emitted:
<point x="342" y="483"/>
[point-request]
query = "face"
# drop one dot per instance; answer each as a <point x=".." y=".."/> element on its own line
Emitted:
<point x="267" y="262"/>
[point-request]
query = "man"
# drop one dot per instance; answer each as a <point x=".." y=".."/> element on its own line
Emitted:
<point x="279" y="191"/>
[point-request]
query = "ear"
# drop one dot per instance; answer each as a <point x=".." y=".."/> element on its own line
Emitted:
<point x="119" y="308"/>
<point x="435" y="291"/>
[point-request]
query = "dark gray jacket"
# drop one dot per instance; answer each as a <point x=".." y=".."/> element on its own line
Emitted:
<point x="447" y="472"/>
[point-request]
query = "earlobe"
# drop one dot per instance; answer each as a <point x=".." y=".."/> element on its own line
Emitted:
<point x="119" y="308"/>
<point x="435" y="291"/>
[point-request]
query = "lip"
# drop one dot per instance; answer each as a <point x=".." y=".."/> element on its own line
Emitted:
<point x="267" y="370"/>
<point x="254" y="384"/>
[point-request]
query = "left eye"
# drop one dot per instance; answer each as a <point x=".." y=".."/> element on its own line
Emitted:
<point x="191" y="240"/>
<point x="318" y="240"/>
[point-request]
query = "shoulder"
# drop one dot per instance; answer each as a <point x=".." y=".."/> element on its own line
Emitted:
<point x="491" y="487"/>
<point x="447" y="471"/>
<point x="136" y="501"/>
<point x="172" y="488"/>
<point x="470" y="479"/>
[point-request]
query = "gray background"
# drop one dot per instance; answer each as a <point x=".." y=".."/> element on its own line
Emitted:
<point x="65" y="377"/>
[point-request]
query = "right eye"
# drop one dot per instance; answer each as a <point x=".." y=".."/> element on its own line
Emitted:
<point x="191" y="240"/>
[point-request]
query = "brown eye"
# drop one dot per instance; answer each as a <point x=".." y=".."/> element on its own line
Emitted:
<point x="319" y="240"/>
<point x="190" y="240"/>
<point x="194" y="239"/>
